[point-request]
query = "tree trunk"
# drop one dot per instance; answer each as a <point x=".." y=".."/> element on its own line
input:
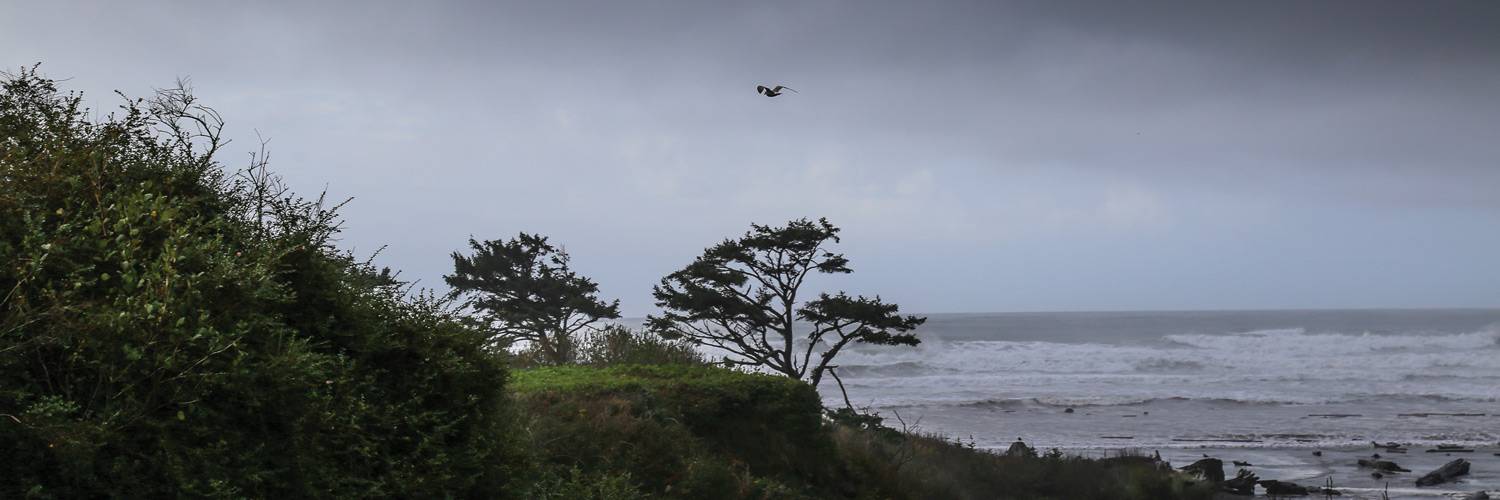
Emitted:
<point x="843" y="391"/>
<point x="786" y="335"/>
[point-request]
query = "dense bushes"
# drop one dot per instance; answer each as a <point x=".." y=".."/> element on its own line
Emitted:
<point x="684" y="431"/>
<point x="611" y="345"/>
<point x="167" y="329"/>
<point x="618" y="345"/>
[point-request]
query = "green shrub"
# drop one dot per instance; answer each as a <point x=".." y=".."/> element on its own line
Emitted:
<point x="169" y="330"/>
<point x="620" y="345"/>
<point x="681" y="431"/>
<point x="576" y="485"/>
<point x="608" y="346"/>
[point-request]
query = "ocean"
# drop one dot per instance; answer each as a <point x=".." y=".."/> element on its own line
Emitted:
<point x="1229" y="378"/>
<point x="1269" y="385"/>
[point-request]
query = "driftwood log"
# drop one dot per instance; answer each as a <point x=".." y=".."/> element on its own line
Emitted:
<point x="1448" y="472"/>
<point x="1162" y="465"/>
<point x="1212" y="469"/>
<point x="1282" y="488"/>
<point x="1242" y="484"/>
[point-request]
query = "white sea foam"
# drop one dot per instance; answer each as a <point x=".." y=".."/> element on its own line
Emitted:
<point x="1298" y="340"/>
<point x="1290" y="366"/>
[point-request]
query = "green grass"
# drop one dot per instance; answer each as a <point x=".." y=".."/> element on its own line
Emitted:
<point x="705" y="432"/>
<point x="675" y="430"/>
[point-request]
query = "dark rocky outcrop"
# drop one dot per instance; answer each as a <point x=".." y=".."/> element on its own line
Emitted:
<point x="1211" y="469"/>
<point x="1448" y="472"/>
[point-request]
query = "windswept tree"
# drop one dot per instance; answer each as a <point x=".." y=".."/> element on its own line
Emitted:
<point x="742" y="296"/>
<point x="524" y="290"/>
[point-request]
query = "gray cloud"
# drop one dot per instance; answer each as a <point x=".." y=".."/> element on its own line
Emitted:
<point x="981" y="155"/>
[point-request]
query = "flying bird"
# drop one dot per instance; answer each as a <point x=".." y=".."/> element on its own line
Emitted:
<point x="772" y="91"/>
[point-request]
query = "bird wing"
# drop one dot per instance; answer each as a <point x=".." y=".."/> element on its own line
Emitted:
<point x="779" y="87"/>
<point x="762" y="89"/>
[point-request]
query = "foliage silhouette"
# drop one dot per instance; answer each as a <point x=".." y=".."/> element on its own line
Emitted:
<point x="741" y="296"/>
<point x="524" y="290"/>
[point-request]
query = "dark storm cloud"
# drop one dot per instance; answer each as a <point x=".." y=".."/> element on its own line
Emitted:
<point x="1382" y="101"/>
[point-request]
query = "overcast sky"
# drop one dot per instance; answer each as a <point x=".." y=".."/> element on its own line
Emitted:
<point x="980" y="156"/>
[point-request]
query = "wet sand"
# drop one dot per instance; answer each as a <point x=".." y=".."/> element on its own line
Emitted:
<point x="1300" y="466"/>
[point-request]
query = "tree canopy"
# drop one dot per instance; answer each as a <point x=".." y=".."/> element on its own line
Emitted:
<point x="524" y="289"/>
<point x="742" y="296"/>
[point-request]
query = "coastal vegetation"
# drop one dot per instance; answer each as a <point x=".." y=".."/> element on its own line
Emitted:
<point x="169" y="328"/>
<point x="682" y="431"/>
<point x="523" y="290"/>
<point x="741" y="296"/>
<point x="172" y="327"/>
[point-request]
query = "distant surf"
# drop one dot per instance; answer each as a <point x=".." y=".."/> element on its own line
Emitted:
<point x="1167" y="379"/>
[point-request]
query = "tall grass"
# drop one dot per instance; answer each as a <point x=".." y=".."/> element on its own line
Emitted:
<point x="615" y="345"/>
<point x="914" y="464"/>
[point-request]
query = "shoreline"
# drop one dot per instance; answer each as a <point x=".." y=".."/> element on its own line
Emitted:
<point x="1301" y="466"/>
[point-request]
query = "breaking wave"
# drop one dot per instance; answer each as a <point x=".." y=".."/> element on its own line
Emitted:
<point x="1336" y="343"/>
<point x="1138" y="387"/>
<point x="1167" y="365"/>
<point x="1280" y="366"/>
